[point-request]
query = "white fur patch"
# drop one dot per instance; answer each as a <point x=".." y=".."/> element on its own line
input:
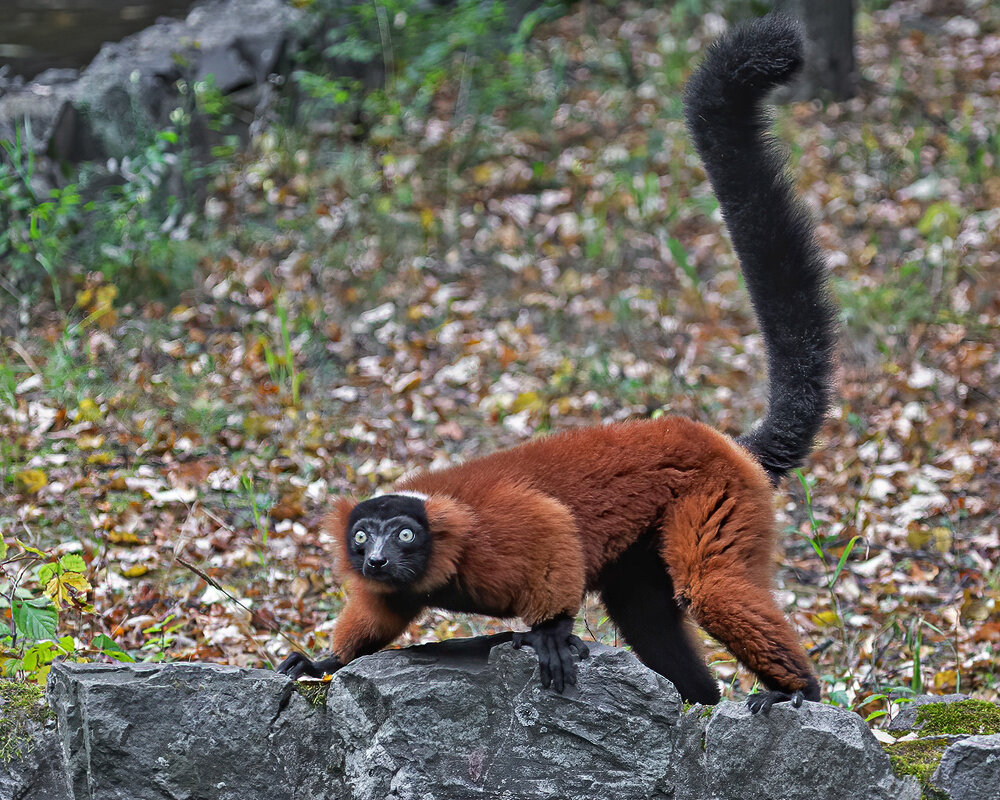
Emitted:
<point x="417" y="495"/>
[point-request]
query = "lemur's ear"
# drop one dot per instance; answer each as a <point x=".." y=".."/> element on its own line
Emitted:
<point x="335" y="523"/>
<point x="450" y="524"/>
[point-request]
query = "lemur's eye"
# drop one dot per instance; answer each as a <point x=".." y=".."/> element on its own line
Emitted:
<point x="406" y="535"/>
<point x="360" y="537"/>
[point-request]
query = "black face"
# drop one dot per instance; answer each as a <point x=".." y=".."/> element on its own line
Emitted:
<point x="388" y="539"/>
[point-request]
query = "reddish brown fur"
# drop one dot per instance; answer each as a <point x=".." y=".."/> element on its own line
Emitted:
<point x="525" y="532"/>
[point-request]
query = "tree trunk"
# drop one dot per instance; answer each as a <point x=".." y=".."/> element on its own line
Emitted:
<point x="829" y="29"/>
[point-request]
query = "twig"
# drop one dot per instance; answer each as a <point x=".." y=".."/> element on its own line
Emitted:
<point x="216" y="585"/>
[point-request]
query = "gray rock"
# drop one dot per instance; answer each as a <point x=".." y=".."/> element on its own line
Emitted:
<point x="970" y="769"/>
<point x="816" y="751"/>
<point x="129" y="90"/>
<point x="39" y="773"/>
<point x="189" y="731"/>
<point x="51" y="77"/>
<point x="906" y="717"/>
<point x="466" y="719"/>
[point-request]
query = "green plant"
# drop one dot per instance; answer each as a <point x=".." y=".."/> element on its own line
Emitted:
<point x="832" y="572"/>
<point x="889" y="695"/>
<point x="35" y="232"/>
<point x="281" y="365"/>
<point x="41" y="585"/>
<point x="130" y="218"/>
<point x="163" y="634"/>
<point x="10" y="377"/>
<point x="258" y="507"/>
<point x="420" y="46"/>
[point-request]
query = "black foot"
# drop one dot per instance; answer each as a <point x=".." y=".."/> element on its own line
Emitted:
<point x="297" y="665"/>
<point x="554" y="642"/>
<point x="762" y="701"/>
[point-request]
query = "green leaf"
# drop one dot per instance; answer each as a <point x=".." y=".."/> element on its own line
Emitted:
<point x="109" y="647"/>
<point x="843" y="560"/>
<point x="3" y="549"/>
<point x="679" y="253"/>
<point x="29" y="549"/>
<point x="73" y="563"/>
<point x="38" y="655"/>
<point x="839" y="698"/>
<point x="35" y="619"/>
<point x="46" y="572"/>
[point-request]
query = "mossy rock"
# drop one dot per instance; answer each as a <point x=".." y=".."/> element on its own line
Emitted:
<point x="940" y="724"/>
<point x="964" y="718"/>
<point x="22" y="711"/>
<point x="919" y="758"/>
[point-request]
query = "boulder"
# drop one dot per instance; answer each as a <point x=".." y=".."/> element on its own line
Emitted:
<point x="816" y="751"/>
<point x="149" y="731"/>
<point x="467" y="718"/>
<point x="906" y="718"/>
<point x="971" y="769"/>
<point x="129" y="91"/>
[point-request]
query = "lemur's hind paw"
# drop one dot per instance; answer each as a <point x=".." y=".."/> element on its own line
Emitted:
<point x="297" y="665"/>
<point x="555" y="644"/>
<point x="762" y="701"/>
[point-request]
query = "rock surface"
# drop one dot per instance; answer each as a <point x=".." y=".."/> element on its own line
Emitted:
<point x="816" y="751"/>
<point x="39" y="774"/>
<point x="971" y="769"/>
<point x="906" y="718"/>
<point x="465" y="719"/>
<point x="460" y="719"/>
<point x="130" y="90"/>
<point x="188" y="731"/>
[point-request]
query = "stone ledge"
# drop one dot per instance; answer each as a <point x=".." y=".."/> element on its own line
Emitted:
<point x="459" y="719"/>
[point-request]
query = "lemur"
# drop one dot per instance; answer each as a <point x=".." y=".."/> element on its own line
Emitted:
<point x="665" y="518"/>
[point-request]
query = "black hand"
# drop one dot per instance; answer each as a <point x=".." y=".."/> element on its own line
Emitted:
<point x="762" y="701"/>
<point x="555" y="643"/>
<point x="297" y="665"/>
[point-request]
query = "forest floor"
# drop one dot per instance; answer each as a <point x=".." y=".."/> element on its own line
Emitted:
<point x="463" y="280"/>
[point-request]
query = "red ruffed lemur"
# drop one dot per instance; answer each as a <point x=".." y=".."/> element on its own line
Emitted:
<point x="665" y="519"/>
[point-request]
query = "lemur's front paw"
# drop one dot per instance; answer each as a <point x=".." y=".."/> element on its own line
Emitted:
<point x="555" y="644"/>
<point x="297" y="665"/>
<point x="762" y="701"/>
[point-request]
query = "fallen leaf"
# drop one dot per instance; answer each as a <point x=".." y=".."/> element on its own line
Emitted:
<point x="30" y="481"/>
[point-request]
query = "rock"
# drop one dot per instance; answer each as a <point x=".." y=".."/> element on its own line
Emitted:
<point x="906" y="717"/>
<point x="189" y="731"/>
<point x="466" y="719"/>
<point x="816" y="751"/>
<point x="129" y="90"/>
<point x="970" y="769"/>
<point x="31" y="764"/>
<point x="39" y="773"/>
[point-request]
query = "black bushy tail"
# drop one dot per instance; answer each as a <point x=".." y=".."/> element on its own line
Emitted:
<point x="770" y="229"/>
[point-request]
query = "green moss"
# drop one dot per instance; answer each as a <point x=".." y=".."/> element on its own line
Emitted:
<point x="935" y="723"/>
<point x="971" y="717"/>
<point x="315" y="693"/>
<point x="21" y="707"/>
<point x="918" y="758"/>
